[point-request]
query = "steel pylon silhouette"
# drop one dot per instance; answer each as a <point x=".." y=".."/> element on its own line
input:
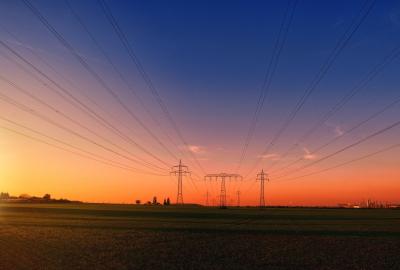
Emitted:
<point x="180" y="171"/>
<point x="262" y="177"/>
<point x="222" y="177"/>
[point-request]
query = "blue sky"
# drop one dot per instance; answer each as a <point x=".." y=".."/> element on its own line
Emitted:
<point x="209" y="58"/>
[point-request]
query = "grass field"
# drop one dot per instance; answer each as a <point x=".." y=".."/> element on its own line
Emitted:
<point x="90" y="236"/>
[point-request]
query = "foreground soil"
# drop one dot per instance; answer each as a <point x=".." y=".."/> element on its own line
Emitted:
<point x="128" y="237"/>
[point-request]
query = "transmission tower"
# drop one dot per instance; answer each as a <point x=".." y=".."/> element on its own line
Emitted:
<point x="180" y="171"/>
<point x="238" y="198"/>
<point x="223" y="177"/>
<point x="207" y="195"/>
<point x="262" y="177"/>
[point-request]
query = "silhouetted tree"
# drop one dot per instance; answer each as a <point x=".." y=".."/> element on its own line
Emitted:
<point x="138" y="202"/>
<point x="165" y="202"/>
<point x="4" y="195"/>
<point x="168" y="201"/>
<point x="47" y="197"/>
<point x="154" y="200"/>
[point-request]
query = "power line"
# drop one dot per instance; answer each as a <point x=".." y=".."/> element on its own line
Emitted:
<point x="340" y="45"/>
<point x="122" y="37"/>
<point x="52" y="68"/>
<point x="97" y="157"/>
<point x="50" y="121"/>
<point x="344" y="163"/>
<point x="84" y="107"/>
<point x="117" y="71"/>
<point x="377" y="69"/>
<point x="120" y="75"/>
<point x="89" y="156"/>
<point x="374" y="134"/>
<point x="57" y="111"/>
<point x="273" y="63"/>
<point x="363" y="122"/>
<point x="95" y="75"/>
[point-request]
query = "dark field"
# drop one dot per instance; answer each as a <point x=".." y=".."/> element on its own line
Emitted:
<point x="92" y="236"/>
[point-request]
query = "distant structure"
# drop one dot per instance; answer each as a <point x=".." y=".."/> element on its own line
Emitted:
<point x="25" y="198"/>
<point x="238" y="198"/>
<point x="262" y="177"/>
<point x="207" y="195"/>
<point x="222" y="177"/>
<point x="4" y="196"/>
<point x="369" y="204"/>
<point x="180" y="171"/>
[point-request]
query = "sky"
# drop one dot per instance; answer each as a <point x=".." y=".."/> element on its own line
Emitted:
<point x="92" y="128"/>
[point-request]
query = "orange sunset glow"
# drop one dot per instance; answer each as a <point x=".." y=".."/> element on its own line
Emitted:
<point x="241" y="134"/>
<point x="95" y="112"/>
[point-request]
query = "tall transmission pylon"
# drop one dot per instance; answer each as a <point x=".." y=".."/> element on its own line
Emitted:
<point x="180" y="171"/>
<point x="238" y="198"/>
<point x="223" y="177"/>
<point x="207" y="196"/>
<point x="262" y="177"/>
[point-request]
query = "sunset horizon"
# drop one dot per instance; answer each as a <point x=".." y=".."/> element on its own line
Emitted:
<point x="148" y="134"/>
<point x="98" y="111"/>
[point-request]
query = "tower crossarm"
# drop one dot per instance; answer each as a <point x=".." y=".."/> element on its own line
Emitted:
<point x="223" y="177"/>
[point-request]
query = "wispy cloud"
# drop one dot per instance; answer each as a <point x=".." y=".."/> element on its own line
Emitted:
<point x="196" y="149"/>
<point x="270" y="156"/>
<point x="337" y="129"/>
<point x="308" y="155"/>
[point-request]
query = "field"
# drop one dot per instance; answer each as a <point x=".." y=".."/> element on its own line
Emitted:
<point x="90" y="236"/>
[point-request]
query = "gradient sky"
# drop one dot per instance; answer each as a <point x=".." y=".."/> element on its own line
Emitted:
<point x="207" y="60"/>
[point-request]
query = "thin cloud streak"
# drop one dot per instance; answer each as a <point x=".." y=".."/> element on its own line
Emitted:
<point x="270" y="156"/>
<point x="195" y="149"/>
<point x="308" y="155"/>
